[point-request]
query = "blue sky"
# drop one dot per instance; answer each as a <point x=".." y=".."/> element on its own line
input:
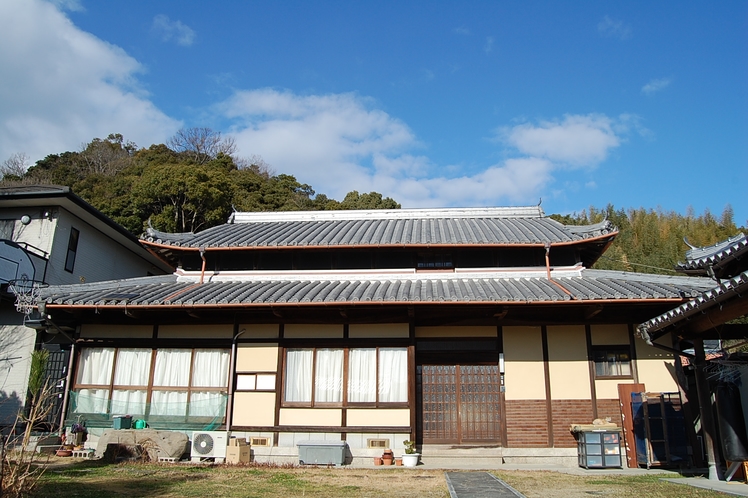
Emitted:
<point x="433" y="103"/>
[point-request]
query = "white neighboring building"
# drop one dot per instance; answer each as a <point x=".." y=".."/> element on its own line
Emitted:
<point x="51" y="236"/>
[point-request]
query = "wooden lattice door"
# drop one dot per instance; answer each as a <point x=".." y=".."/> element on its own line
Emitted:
<point x="459" y="403"/>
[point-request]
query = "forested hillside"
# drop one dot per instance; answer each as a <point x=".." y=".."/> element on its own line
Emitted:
<point x="652" y="241"/>
<point x="191" y="183"/>
<point x="195" y="181"/>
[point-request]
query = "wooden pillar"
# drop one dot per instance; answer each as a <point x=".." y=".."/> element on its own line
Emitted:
<point x="705" y="407"/>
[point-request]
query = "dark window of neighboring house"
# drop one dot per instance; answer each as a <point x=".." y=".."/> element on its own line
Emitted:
<point x="612" y="361"/>
<point x="72" y="250"/>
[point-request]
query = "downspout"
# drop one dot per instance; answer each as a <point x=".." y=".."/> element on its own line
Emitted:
<point x="548" y="270"/>
<point x="202" y="271"/>
<point x="66" y="392"/>
<point x="232" y="374"/>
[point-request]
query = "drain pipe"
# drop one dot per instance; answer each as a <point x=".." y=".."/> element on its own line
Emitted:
<point x="232" y="375"/>
<point x="548" y="270"/>
<point x="202" y="271"/>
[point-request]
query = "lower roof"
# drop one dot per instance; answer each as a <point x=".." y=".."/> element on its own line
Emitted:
<point x="300" y="289"/>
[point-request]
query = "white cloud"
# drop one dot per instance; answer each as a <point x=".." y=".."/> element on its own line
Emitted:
<point x="614" y="28"/>
<point x="461" y="30"/>
<point x="72" y="5"/>
<point x="173" y="30"/>
<point x="577" y="140"/>
<point x="656" y="85"/>
<point x="488" y="47"/>
<point x="62" y="86"/>
<point x="339" y="143"/>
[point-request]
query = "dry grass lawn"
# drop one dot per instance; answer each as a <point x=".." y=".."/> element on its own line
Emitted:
<point x="94" y="479"/>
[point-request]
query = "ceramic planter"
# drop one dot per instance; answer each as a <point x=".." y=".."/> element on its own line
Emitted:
<point x="411" y="460"/>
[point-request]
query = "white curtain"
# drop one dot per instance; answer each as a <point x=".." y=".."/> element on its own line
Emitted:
<point x="207" y="404"/>
<point x="393" y="375"/>
<point x="328" y="379"/>
<point x="362" y="375"/>
<point x="299" y="375"/>
<point x="128" y="402"/>
<point x="95" y="366"/>
<point x="211" y="368"/>
<point x="92" y="401"/>
<point x="172" y="368"/>
<point x="133" y="367"/>
<point x="173" y="403"/>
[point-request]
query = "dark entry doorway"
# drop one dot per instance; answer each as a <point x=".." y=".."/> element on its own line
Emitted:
<point x="459" y="403"/>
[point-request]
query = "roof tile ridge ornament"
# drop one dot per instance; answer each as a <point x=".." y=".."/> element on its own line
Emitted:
<point x="153" y="235"/>
<point x="697" y="256"/>
<point x="598" y="229"/>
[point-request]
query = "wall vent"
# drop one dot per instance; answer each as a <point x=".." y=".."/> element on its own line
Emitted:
<point x="378" y="443"/>
<point x="259" y="441"/>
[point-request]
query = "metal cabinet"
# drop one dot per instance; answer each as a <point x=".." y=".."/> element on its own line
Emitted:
<point x="599" y="449"/>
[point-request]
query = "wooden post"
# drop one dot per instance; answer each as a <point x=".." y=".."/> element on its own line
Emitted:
<point x="705" y="408"/>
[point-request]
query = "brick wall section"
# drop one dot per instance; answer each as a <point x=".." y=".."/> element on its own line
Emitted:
<point x="526" y="424"/>
<point x="565" y="413"/>
<point x="609" y="408"/>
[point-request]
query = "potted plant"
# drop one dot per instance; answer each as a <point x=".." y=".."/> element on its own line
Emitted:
<point x="410" y="458"/>
<point x="78" y="430"/>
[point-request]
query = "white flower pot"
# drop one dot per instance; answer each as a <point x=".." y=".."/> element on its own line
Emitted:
<point x="411" y="460"/>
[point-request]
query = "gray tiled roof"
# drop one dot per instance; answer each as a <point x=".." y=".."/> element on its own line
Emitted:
<point x="479" y="226"/>
<point x="468" y="287"/>
<point x="727" y="289"/>
<point x="699" y="258"/>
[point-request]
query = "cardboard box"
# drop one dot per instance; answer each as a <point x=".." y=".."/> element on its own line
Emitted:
<point x="235" y="441"/>
<point x="238" y="453"/>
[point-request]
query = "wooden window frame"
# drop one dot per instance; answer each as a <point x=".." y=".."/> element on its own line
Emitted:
<point x="617" y="349"/>
<point x="344" y="403"/>
<point x="150" y="388"/>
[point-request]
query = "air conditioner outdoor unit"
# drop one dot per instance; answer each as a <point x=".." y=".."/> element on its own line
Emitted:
<point x="209" y="444"/>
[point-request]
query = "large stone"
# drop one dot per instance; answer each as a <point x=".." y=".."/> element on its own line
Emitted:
<point x="158" y="444"/>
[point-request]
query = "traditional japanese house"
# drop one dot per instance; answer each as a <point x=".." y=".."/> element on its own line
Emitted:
<point x="476" y="328"/>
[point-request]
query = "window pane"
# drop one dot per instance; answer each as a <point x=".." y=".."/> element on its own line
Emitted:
<point x="362" y="375"/>
<point x="328" y="379"/>
<point x="298" y="375"/>
<point x="91" y="401"/>
<point x="172" y="403"/>
<point x="95" y="366"/>
<point x="246" y="382"/>
<point x="127" y="402"/>
<point x="393" y="375"/>
<point x="207" y="404"/>
<point x="266" y="382"/>
<point x="172" y="367"/>
<point x="133" y="367"/>
<point x="211" y="368"/>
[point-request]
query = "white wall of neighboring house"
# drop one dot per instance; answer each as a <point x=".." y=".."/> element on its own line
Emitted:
<point x="98" y="257"/>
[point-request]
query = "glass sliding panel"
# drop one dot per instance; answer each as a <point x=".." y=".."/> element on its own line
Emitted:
<point x="362" y="375"/>
<point x="128" y="402"/>
<point x="92" y="401"/>
<point x="133" y="367"/>
<point x="328" y="379"/>
<point x="211" y="368"/>
<point x="393" y="375"/>
<point x="173" y="403"/>
<point x="172" y="367"/>
<point x="95" y="366"/>
<point x="207" y="404"/>
<point x="298" y="386"/>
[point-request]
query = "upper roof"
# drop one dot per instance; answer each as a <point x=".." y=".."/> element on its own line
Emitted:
<point x="309" y="288"/>
<point x="720" y="257"/>
<point x="55" y="195"/>
<point x="514" y="226"/>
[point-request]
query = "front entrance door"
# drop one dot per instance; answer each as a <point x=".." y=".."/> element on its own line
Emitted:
<point x="459" y="403"/>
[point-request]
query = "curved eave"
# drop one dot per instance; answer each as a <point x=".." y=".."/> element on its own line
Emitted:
<point x="607" y="238"/>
